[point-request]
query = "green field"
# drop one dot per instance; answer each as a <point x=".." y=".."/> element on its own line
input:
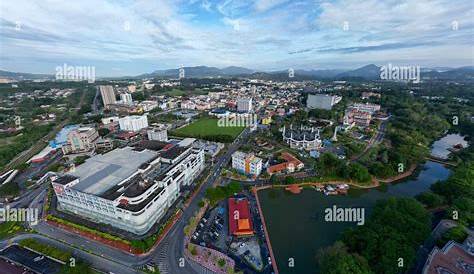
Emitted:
<point x="181" y="92"/>
<point x="207" y="129"/>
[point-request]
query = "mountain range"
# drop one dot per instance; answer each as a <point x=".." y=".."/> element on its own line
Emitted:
<point x="368" y="72"/>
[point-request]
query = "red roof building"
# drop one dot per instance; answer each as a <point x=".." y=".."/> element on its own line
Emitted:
<point x="290" y="165"/>
<point x="453" y="258"/>
<point x="240" y="220"/>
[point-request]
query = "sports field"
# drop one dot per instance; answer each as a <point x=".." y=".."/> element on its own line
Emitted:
<point x="207" y="128"/>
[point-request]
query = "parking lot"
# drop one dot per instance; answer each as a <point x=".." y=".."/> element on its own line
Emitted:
<point x="30" y="259"/>
<point x="211" y="230"/>
<point x="250" y="253"/>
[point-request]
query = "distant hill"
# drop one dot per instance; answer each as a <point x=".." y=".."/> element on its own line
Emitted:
<point x="23" y="76"/>
<point x="199" y="72"/>
<point x="462" y="73"/>
<point x="369" y="72"/>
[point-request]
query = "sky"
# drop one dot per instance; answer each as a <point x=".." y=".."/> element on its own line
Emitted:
<point x="121" y="37"/>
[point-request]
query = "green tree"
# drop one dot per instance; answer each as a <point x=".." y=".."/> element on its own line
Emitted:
<point x="337" y="260"/>
<point x="103" y="131"/>
<point x="431" y="199"/>
<point x="384" y="236"/>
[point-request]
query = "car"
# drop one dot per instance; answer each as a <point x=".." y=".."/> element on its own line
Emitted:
<point x="217" y="234"/>
<point x="269" y="260"/>
<point x="242" y="245"/>
<point x="201" y="224"/>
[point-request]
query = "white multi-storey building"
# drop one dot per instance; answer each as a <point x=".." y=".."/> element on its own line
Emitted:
<point x="128" y="188"/>
<point x="302" y="137"/>
<point x="246" y="163"/>
<point x="371" y="108"/>
<point x="108" y="95"/>
<point x="244" y="104"/>
<point x="126" y="98"/>
<point x="157" y="134"/>
<point x="133" y="123"/>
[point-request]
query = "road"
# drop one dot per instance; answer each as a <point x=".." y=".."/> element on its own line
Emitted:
<point x="376" y="139"/>
<point x="171" y="250"/>
<point x="95" y="102"/>
<point x="97" y="261"/>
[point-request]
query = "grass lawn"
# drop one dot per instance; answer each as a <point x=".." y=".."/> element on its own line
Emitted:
<point x="206" y="128"/>
<point x="7" y="140"/>
<point x="46" y="249"/>
<point x="180" y="92"/>
<point x="8" y="229"/>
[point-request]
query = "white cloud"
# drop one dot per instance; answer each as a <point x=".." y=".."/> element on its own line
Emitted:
<point x="256" y="34"/>
<point x="264" y="5"/>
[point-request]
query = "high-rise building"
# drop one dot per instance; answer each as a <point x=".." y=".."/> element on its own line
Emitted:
<point x="133" y="123"/>
<point x="158" y="134"/>
<point x="244" y="104"/>
<point x="322" y="101"/>
<point x="108" y="95"/>
<point x="126" y="98"/>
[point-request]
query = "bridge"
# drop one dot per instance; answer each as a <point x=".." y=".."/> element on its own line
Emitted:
<point x="441" y="161"/>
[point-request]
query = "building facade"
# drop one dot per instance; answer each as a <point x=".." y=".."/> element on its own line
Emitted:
<point x="158" y="134"/>
<point x="108" y="95"/>
<point x="80" y="140"/>
<point x="246" y="163"/>
<point x="302" y="138"/>
<point x="244" y="104"/>
<point x="133" y="123"/>
<point x="126" y="98"/>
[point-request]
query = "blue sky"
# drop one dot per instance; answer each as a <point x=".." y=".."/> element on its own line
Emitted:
<point x="123" y="37"/>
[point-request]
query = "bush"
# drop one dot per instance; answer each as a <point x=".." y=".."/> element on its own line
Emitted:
<point x="430" y="199"/>
<point x="221" y="262"/>
<point x="219" y="193"/>
<point x="46" y="249"/>
<point x="457" y="234"/>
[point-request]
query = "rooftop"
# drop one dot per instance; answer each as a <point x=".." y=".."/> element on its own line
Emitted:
<point x="240" y="222"/>
<point x="102" y="172"/>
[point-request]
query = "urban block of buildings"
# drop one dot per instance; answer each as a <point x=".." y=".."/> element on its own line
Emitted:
<point x="130" y="188"/>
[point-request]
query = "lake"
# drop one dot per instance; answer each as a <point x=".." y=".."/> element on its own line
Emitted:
<point x="296" y="224"/>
